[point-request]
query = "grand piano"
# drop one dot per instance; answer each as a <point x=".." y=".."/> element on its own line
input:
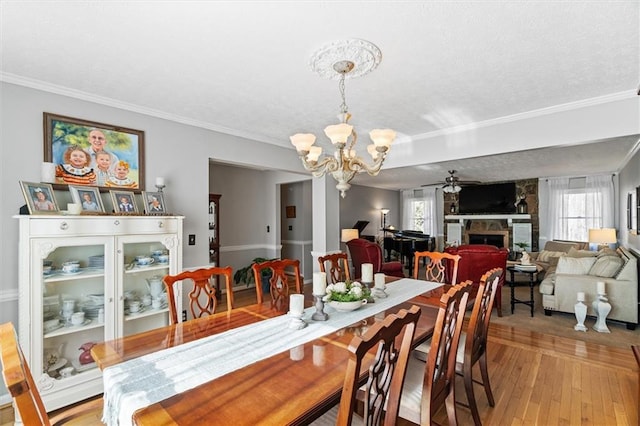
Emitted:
<point x="406" y="243"/>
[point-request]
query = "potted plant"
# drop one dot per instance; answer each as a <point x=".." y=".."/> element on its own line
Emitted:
<point x="346" y="296"/>
<point x="245" y="275"/>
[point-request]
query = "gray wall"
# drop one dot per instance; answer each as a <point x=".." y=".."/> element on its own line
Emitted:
<point x="364" y="203"/>
<point x="629" y="180"/>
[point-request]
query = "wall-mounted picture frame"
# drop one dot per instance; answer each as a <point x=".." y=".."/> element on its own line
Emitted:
<point x="124" y="201"/>
<point x="89" y="153"/>
<point x="154" y="202"/>
<point x="88" y="197"/>
<point x="290" y="212"/>
<point x="39" y="197"/>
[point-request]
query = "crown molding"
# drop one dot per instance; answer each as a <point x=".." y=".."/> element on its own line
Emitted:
<point x="102" y="100"/>
<point x="613" y="97"/>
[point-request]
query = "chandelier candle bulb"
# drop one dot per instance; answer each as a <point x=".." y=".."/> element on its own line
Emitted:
<point x="319" y="283"/>
<point x="367" y="272"/>
<point x="600" y="286"/>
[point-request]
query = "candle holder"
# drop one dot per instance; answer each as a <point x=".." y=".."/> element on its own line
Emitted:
<point x="602" y="307"/>
<point x="581" y="313"/>
<point x="296" y="322"/>
<point x="160" y="187"/>
<point x="379" y="293"/>
<point x="368" y="286"/>
<point x="319" y="314"/>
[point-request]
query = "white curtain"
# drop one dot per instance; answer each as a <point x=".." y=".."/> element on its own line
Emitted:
<point x="598" y="208"/>
<point x="554" y="214"/>
<point x="600" y="201"/>
<point x="428" y="196"/>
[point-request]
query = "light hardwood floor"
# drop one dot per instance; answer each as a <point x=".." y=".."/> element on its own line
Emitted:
<point x="540" y="379"/>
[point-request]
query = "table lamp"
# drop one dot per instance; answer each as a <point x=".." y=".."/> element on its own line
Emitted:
<point x="348" y="235"/>
<point x="603" y="237"/>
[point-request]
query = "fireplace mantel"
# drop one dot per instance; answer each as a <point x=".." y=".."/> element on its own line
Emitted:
<point x="508" y="217"/>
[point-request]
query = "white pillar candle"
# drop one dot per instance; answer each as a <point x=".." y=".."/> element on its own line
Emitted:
<point x="378" y="279"/>
<point x="319" y="283"/>
<point x="297" y="353"/>
<point x="600" y="285"/>
<point x="367" y="272"/>
<point x="296" y="304"/>
<point x="318" y="355"/>
<point x="48" y="172"/>
<point x="581" y="296"/>
<point x="159" y="181"/>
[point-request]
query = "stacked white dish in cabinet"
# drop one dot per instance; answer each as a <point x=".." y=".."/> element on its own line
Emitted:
<point x="62" y="314"/>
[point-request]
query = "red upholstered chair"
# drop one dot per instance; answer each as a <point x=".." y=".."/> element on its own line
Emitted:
<point x="364" y="251"/>
<point x="475" y="260"/>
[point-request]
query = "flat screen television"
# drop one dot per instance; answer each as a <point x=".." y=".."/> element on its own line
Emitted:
<point x="497" y="198"/>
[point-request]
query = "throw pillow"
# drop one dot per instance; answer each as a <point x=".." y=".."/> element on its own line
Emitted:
<point x="607" y="252"/>
<point x="573" y="252"/>
<point x="575" y="265"/>
<point x="606" y="266"/>
<point x="544" y="255"/>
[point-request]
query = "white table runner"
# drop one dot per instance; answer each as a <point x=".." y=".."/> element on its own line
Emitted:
<point x="143" y="381"/>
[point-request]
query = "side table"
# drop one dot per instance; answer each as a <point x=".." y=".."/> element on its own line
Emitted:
<point x="533" y="280"/>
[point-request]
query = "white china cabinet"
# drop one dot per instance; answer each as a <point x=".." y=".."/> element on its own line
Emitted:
<point x="105" y="289"/>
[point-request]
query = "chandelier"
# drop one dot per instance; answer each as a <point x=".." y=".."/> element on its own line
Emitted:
<point x="352" y="58"/>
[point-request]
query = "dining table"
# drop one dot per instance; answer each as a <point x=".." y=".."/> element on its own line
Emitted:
<point x="245" y="366"/>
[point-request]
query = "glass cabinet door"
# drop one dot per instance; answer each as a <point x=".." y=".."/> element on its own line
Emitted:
<point x="142" y="263"/>
<point x="73" y="301"/>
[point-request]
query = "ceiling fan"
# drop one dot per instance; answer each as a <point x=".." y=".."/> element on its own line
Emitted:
<point x="453" y="184"/>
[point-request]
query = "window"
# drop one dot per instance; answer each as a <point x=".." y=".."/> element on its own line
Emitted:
<point x="577" y="205"/>
<point x="419" y="211"/>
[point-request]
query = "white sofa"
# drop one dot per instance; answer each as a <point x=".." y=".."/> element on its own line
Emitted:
<point x="580" y="273"/>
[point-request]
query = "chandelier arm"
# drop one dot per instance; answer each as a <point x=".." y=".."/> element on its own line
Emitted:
<point x="359" y="166"/>
<point x="319" y="169"/>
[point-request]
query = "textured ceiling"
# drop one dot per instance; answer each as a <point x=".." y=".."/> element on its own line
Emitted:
<point x="243" y="67"/>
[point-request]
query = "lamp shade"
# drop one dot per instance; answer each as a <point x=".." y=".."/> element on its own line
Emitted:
<point x="314" y="153"/>
<point x="602" y="236"/>
<point x="338" y="133"/>
<point x="384" y="211"/>
<point x="302" y="141"/>
<point x="382" y="137"/>
<point x="348" y="235"/>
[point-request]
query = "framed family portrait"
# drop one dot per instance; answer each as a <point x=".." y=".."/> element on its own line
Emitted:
<point x="88" y="153"/>
<point x="39" y="197"/>
<point x="88" y="197"/>
<point x="154" y="202"/>
<point x="124" y="201"/>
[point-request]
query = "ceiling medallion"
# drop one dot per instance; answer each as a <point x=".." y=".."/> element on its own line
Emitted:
<point x="364" y="55"/>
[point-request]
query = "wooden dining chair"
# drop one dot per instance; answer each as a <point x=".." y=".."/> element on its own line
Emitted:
<point x="431" y="385"/>
<point x="202" y="297"/>
<point x="336" y="266"/>
<point x="281" y="270"/>
<point x="473" y="342"/>
<point x="20" y="384"/>
<point x="441" y="267"/>
<point x="381" y="393"/>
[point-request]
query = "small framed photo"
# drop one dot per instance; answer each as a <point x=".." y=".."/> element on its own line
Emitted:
<point x="124" y="201"/>
<point x="88" y="196"/>
<point x="39" y="197"/>
<point x="154" y="202"/>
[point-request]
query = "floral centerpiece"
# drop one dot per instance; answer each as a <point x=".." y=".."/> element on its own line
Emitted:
<point x="346" y="296"/>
